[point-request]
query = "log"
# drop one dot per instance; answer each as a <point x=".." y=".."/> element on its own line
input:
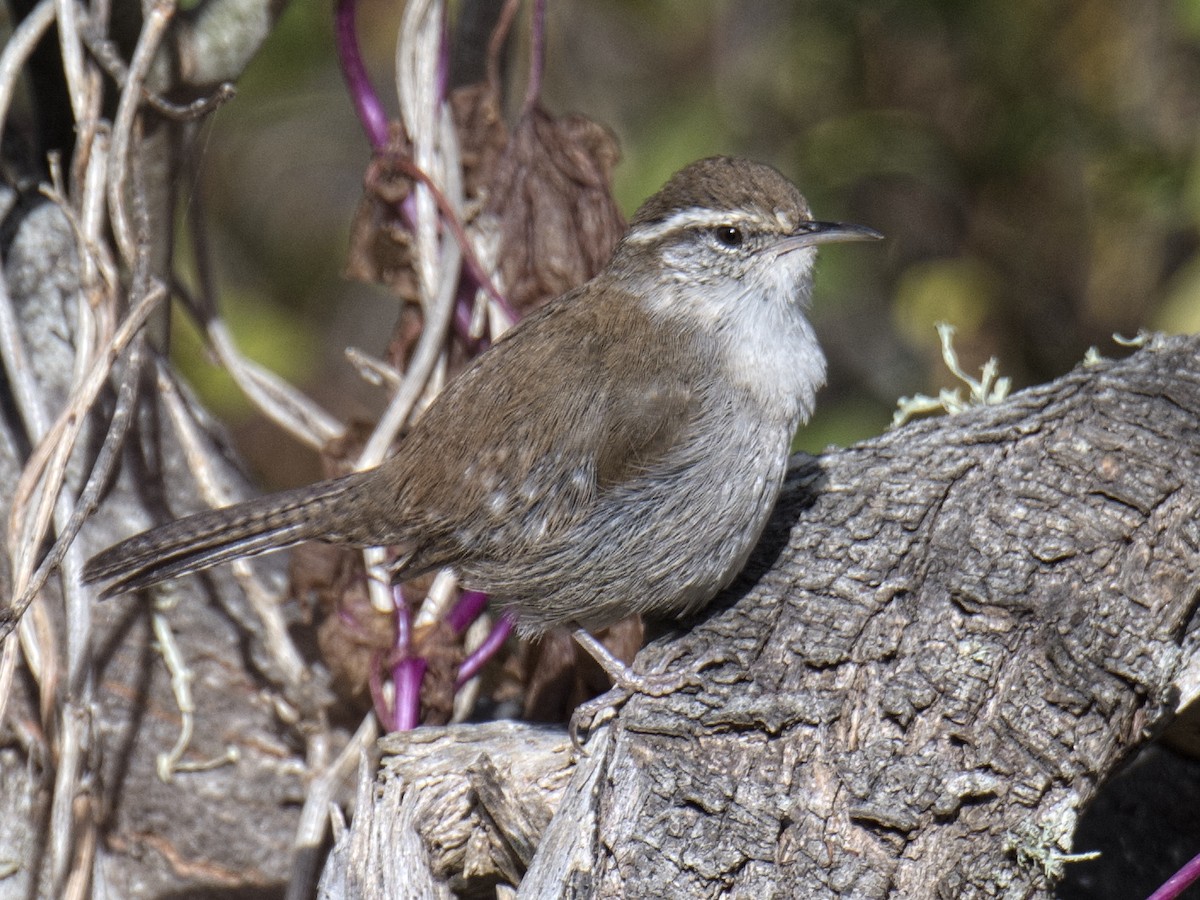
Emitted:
<point x="948" y="638"/>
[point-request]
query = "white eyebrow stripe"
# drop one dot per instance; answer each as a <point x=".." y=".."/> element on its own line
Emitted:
<point x="692" y="217"/>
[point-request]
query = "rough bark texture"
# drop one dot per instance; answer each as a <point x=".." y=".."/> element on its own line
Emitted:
<point x="91" y="707"/>
<point x="459" y="809"/>
<point x="951" y="635"/>
<point x="158" y="839"/>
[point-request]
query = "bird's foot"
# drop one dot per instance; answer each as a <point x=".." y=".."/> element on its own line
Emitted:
<point x="584" y="717"/>
<point x="625" y="678"/>
<point x="626" y="683"/>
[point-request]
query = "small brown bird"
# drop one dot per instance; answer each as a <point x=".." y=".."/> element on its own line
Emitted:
<point x="619" y="451"/>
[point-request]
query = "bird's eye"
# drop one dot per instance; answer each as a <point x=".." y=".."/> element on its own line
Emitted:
<point x="729" y="236"/>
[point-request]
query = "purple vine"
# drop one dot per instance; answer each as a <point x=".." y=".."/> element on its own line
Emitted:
<point x="406" y="670"/>
<point x="1174" y="886"/>
<point x="366" y="102"/>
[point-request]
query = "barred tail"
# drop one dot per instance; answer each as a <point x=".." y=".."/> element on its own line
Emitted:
<point x="208" y="538"/>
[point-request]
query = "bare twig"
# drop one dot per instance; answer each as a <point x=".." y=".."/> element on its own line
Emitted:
<point x="372" y="369"/>
<point x="63" y="821"/>
<point x="17" y="50"/>
<point x="168" y="763"/>
<point x="366" y="101"/>
<point x="287" y="407"/>
<point x="97" y="269"/>
<point x="105" y="52"/>
<point x="451" y="215"/>
<point x="1174" y="886"/>
<point x="281" y="403"/>
<point x="12" y="349"/>
<point x="314" y="817"/>
<point x="8" y="665"/>
<point x="44" y="473"/>
<point x="67" y="13"/>
<point x="158" y="17"/>
<point x="496" y="43"/>
<point x="200" y="456"/>
<point x="106" y="462"/>
<point x="537" y="56"/>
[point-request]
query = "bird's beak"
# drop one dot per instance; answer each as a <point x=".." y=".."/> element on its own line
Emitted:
<point x="809" y="233"/>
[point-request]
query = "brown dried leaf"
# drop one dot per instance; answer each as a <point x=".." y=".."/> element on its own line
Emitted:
<point x="482" y="135"/>
<point x="380" y="243"/>
<point x="553" y="196"/>
<point x="443" y="652"/>
<point x="351" y="634"/>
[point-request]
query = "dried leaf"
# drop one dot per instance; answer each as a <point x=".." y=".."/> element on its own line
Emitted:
<point x="352" y="634"/>
<point x="552" y="194"/>
<point x="482" y="135"/>
<point x="442" y="651"/>
<point x="380" y="242"/>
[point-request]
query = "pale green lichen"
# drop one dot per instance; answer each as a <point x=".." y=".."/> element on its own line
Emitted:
<point x="1043" y="844"/>
<point x="987" y="390"/>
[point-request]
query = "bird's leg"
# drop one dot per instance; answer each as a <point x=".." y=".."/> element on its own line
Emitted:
<point x="626" y="683"/>
<point x="623" y="676"/>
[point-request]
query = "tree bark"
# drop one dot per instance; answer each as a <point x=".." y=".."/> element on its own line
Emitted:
<point x="949" y="637"/>
<point x="89" y="711"/>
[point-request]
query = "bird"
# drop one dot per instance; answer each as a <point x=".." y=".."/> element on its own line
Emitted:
<point x="618" y="451"/>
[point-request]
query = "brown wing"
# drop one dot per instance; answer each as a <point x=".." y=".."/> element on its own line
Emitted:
<point x="519" y="448"/>
<point x="645" y="423"/>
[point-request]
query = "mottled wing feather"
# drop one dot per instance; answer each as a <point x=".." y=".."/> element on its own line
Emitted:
<point x="643" y="428"/>
<point x="551" y="430"/>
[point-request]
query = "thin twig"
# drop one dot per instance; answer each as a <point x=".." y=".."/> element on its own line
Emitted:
<point x="26" y="394"/>
<point x="106" y="462"/>
<point x="278" y="401"/>
<point x="181" y="688"/>
<point x="537" y="56"/>
<point x="314" y="817"/>
<point x="105" y="53"/>
<point x="62" y="827"/>
<point x="287" y="407"/>
<point x="17" y="50"/>
<point x="1174" y="886"/>
<point x="79" y="884"/>
<point x="98" y="269"/>
<point x="67" y="13"/>
<point x="451" y="217"/>
<point x="8" y="665"/>
<point x="487" y="648"/>
<point x="496" y="43"/>
<point x="46" y="466"/>
<point x="371" y="369"/>
<point x="366" y="101"/>
<point x="466" y="692"/>
<point x="438" y="314"/>
<point x="157" y="19"/>
<point x="73" y="825"/>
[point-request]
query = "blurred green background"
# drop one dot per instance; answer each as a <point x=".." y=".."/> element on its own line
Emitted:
<point x="1035" y="166"/>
